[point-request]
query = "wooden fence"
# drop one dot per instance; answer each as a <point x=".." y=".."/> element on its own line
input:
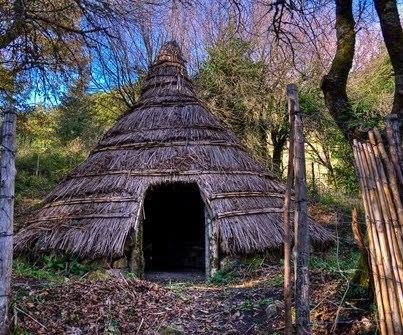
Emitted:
<point x="379" y="165"/>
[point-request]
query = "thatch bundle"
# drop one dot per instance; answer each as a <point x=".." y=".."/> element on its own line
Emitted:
<point x="169" y="136"/>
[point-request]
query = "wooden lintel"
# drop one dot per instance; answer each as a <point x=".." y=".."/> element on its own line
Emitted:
<point x="245" y="194"/>
<point x="249" y="212"/>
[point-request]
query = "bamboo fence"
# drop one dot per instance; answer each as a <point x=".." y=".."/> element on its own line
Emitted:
<point x="380" y="171"/>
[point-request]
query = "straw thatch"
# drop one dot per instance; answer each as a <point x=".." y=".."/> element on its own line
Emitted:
<point x="168" y="136"/>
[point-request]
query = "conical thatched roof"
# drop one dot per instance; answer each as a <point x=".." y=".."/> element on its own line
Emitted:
<point x="168" y="136"/>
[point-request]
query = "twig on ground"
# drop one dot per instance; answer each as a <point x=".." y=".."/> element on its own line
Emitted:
<point x="31" y="317"/>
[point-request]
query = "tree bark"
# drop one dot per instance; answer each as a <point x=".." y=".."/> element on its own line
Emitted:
<point x="362" y="276"/>
<point x="7" y="181"/>
<point x="279" y="139"/>
<point x="334" y="84"/>
<point x="393" y="37"/>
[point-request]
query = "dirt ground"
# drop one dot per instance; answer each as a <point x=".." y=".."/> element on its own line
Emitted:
<point x="110" y="303"/>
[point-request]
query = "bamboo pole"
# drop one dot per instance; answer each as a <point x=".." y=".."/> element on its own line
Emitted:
<point x="357" y="150"/>
<point x="387" y="241"/>
<point x="391" y="206"/>
<point x="393" y="182"/>
<point x="7" y="186"/>
<point x="383" y="259"/>
<point x="286" y="215"/>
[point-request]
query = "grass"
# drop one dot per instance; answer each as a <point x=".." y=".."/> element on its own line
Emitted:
<point x="179" y="289"/>
<point x="52" y="268"/>
<point x="25" y="269"/>
<point x="333" y="262"/>
<point x="247" y="305"/>
<point x="331" y="200"/>
<point x="224" y="276"/>
<point x="276" y="281"/>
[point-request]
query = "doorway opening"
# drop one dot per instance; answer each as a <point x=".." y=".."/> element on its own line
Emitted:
<point x="174" y="228"/>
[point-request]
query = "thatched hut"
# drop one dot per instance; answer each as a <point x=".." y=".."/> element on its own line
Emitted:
<point x="168" y="184"/>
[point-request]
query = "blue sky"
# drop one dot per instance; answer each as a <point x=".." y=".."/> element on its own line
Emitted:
<point x="105" y="81"/>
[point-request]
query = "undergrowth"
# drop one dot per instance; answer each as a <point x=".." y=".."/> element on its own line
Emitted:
<point x="335" y="261"/>
<point x="52" y="268"/>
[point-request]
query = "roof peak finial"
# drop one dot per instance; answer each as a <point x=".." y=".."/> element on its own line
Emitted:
<point x="170" y="52"/>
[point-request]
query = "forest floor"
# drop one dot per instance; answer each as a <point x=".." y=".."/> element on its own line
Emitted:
<point x="244" y="301"/>
<point x="245" y="298"/>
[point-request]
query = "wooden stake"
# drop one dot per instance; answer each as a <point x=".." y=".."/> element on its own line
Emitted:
<point x="7" y="185"/>
<point x="286" y="215"/>
<point x="301" y="223"/>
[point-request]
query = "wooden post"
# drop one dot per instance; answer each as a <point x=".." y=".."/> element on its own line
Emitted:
<point x="211" y="242"/>
<point x="286" y="216"/>
<point x="7" y="185"/>
<point x="301" y="223"/>
<point x="213" y="249"/>
<point x="137" y="263"/>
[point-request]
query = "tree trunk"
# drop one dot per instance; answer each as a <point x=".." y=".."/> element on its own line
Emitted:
<point x="334" y="84"/>
<point x="7" y="176"/>
<point x="393" y="36"/>
<point x="301" y="225"/>
<point x="279" y="139"/>
<point x="362" y="276"/>
<point x="277" y="158"/>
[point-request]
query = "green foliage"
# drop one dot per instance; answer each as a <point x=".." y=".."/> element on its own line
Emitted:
<point x="264" y="302"/>
<point x="232" y="84"/>
<point x="247" y="305"/>
<point x="52" y="268"/>
<point x="335" y="261"/>
<point x="336" y="201"/>
<point x="87" y="117"/>
<point x="224" y="276"/>
<point x="253" y="263"/>
<point x="371" y="89"/>
<point x="52" y="142"/>
<point x="331" y="149"/>
<point x="179" y="289"/>
<point x="25" y="269"/>
<point x="276" y="281"/>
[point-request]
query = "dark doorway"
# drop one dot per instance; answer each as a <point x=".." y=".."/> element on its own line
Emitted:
<point x="174" y="228"/>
